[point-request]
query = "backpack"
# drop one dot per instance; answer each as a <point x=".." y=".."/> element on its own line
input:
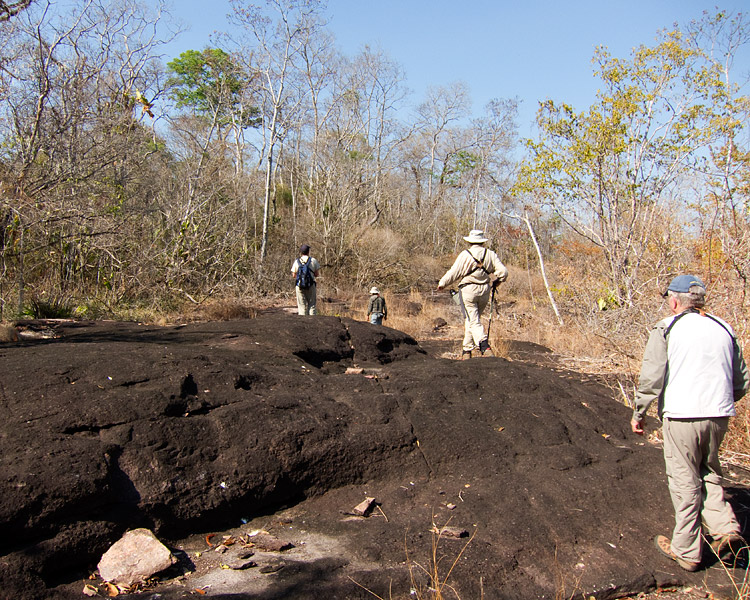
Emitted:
<point x="305" y="278"/>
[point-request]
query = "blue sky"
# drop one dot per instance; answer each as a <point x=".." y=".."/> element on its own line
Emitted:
<point x="529" y="50"/>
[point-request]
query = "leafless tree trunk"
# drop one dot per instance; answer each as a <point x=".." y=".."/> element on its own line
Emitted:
<point x="525" y="219"/>
<point x="280" y="39"/>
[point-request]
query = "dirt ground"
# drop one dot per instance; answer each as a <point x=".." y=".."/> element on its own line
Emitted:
<point x="491" y="478"/>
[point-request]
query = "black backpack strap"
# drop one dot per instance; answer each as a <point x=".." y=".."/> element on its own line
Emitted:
<point x="677" y="318"/>
<point x="479" y="263"/>
<point x="724" y="327"/>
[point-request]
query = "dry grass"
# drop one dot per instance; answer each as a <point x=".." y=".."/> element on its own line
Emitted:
<point x="8" y="333"/>
<point x="223" y="309"/>
<point x="737" y="573"/>
<point x="431" y="581"/>
<point x="413" y="313"/>
<point x="736" y="445"/>
<point x="563" y="589"/>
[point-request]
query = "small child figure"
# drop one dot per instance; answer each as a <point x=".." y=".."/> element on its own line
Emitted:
<point x="376" y="310"/>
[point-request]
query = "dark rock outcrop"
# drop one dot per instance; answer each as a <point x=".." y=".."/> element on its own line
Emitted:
<point x="115" y="426"/>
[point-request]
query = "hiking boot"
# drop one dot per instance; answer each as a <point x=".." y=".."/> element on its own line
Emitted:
<point x="466" y="355"/>
<point x="484" y="348"/>
<point x="728" y="546"/>
<point x="664" y="545"/>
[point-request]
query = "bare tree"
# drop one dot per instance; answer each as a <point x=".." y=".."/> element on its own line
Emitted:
<point x="725" y="207"/>
<point x="11" y="9"/>
<point x="442" y="107"/>
<point x="280" y="36"/>
<point x="72" y="108"/>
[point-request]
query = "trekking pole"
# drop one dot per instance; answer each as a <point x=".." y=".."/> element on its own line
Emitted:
<point x="492" y="302"/>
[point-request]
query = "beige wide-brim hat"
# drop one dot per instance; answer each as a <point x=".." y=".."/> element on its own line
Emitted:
<point x="476" y="236"/>
<point x="374" y="290"/>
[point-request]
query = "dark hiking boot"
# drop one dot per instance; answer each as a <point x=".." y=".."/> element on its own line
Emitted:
<point x="728" y="547"/>
<point x="484" y="348"/>
<point x="466" y="355"/>
<point x="664" y="545"/>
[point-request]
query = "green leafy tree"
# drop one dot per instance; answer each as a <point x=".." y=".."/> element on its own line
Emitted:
<point x="610" y="172"/>
<point x="212" y="82"/>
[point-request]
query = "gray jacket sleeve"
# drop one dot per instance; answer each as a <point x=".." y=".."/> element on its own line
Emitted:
<point x="653" y="371"/>
<point x="740" y="379"/>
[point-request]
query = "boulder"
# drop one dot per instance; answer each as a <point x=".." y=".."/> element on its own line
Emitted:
<point x="134" y="558"/>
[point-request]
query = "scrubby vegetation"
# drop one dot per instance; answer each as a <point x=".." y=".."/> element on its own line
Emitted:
<point x="138" y="188"/>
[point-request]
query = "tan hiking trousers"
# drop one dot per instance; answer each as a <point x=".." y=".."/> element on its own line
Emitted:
<point x="691" y="455"/>
<point x="307" y="300"/>
<point x="475" y="298"/>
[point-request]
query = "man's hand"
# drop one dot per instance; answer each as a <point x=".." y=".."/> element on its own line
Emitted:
<point x="637" y="426"/>
<point x="439" y="288"/>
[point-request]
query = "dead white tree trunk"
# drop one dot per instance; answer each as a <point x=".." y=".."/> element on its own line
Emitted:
<point x="525" y="219"/>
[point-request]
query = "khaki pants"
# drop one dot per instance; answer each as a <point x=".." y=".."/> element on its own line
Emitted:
<point x="691" y="454"/>
<point x="475" y="298"/>
<point x="306" y="300"/>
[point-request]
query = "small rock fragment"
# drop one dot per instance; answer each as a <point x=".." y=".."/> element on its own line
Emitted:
<point x="354" y="371"/>
<point x="271" y="568"/>
<point x="265" y="542"/>
<point x="111" y="590"/>
<point x="363" y="508"/>
<point x="241" y="565"/>
<point x="450" y="532"/>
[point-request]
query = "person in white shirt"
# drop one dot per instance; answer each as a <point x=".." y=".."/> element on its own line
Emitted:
<point x="693" y="367"/>
<point x="306" y="291"/>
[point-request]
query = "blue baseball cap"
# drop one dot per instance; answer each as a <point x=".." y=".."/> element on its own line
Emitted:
<point x="682" y="284"/>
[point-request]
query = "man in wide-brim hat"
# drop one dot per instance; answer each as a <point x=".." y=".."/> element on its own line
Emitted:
<point x="472" y="269"/>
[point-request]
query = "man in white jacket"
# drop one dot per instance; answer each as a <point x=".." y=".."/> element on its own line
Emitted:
<point x="472" y="268"/>
<point x="693" y="367"/>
